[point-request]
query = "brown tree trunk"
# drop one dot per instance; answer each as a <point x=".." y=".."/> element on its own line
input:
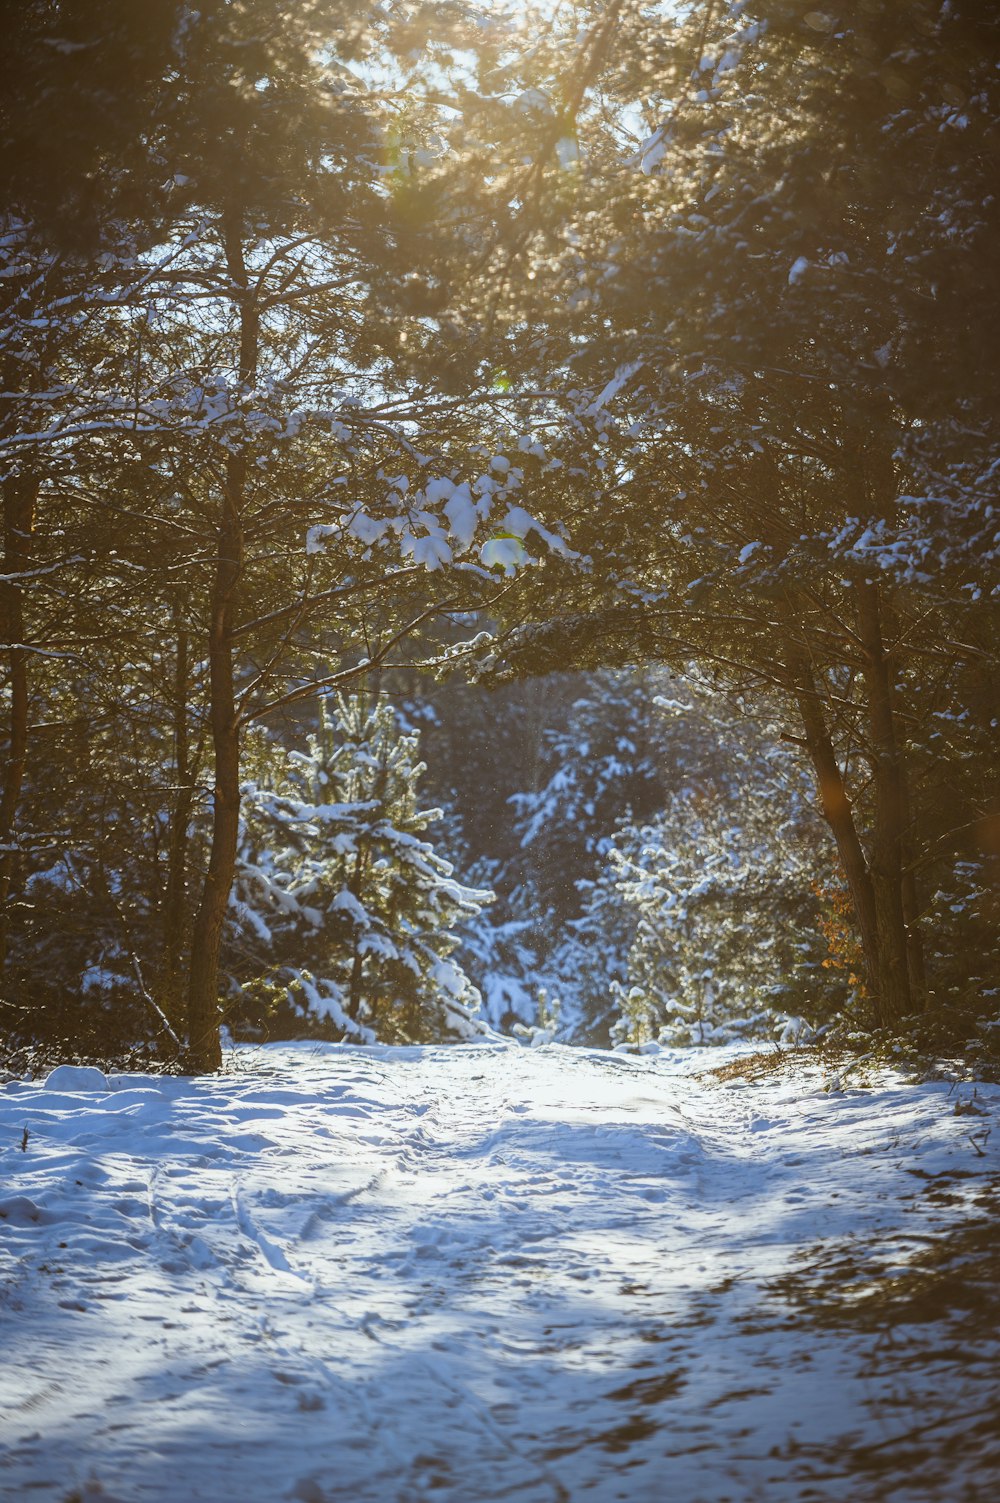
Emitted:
<point x="837" y="810"/>
<point x="204" y="1045"/>
<point x="896" y="964"/>
<point x="916" y="962"/>
<point x="175" y="892"/>
<point x="355" y="994"/>
<point x="19" y="496"/>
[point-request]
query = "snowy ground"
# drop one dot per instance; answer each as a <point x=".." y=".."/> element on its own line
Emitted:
<point x="384" y="1275"/>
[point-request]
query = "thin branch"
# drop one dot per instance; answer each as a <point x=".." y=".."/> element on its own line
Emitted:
<point x="336" y="592"/>
<point x="349" y="675"/>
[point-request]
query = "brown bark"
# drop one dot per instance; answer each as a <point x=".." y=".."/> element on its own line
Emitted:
<point x="837" y="809"/>
<point x="19" y="496"/>
<point x="354" y="993"/>
<point x="179" y="838"/>
<point x="896" y="964"/>
<point x="204" y="1046"/>
<point x="912" y="908"/>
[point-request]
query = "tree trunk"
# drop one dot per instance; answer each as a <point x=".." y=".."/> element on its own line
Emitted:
<point x="837" y="811"/>
<point x="204" y="1045"/>
<point x="916" y="962"/>
<point x="19" y="496"/>
<point x="896" y="963"/>
<point x="175" y="892"/>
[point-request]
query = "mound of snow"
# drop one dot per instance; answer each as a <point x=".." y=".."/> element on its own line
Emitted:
<point x="76" y="1078"/>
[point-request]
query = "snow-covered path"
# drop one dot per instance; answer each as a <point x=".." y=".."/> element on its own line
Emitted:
<point x="483" y="1273"/>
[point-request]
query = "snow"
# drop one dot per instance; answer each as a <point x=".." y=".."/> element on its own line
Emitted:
<point x="429" y="552"/>
<point x="366" y="529"/>
<point x="463" y="517"/>
<point x="76" y="1078"/>
<point x="621" y="378"/>
<point x="507" y="554"/>
<point x="316" y="537"/>
<point x="485" y="1272"/>
<point x="652" y="151"/>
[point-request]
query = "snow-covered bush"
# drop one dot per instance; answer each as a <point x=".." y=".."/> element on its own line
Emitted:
<point x="346" y="910"/>
<point x="537" y="776"/>
<point x="499" y="948"/>
<point x="599" y="762"/>
<point x="661" y="873"/>
<point x="591" y="958"/>
<point x="727" y="941"/>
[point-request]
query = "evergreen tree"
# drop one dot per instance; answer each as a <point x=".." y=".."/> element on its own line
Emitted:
<point x="727" y="939"/>
<point x="215" y="425"/>
<point x="538" y="775"/>
<point x="337" y="884"/>
<point x="704" y="918"/>
<point x="766" y="312"/>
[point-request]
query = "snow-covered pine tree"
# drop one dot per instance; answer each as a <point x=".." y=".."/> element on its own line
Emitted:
<point x="595" y="763"/>
<point x="592" y="958"/>
<point x="792" y="393"/>
<point x="340" y="894"/>
<point x="727" y="940"/>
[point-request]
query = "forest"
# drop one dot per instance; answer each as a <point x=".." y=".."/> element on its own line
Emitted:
<point x="499" y="525"/>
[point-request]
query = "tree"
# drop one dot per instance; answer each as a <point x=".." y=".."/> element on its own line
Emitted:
<point x="270" y="490"/>
<point x="80" y="85"/>
<point x="537" y="775"/>
<point x="752" y="296"/>
<point x="723" y="888"/>
<point x="336" y="879"/>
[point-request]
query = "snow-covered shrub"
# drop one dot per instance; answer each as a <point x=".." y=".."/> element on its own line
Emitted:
<point x="599" y="762"/>
<point x="346" y="909"/>
<point x="499" y="949"/>
<point x="591" y="959"/>
<point x="727" y="942"/>
<point x="586" y="758"/>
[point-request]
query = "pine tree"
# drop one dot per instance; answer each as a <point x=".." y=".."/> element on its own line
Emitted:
<point x="209" y="405"/>
<point x="767" y="316"/>
<point x="337" y="883"/>
<point x="727" y="939"/>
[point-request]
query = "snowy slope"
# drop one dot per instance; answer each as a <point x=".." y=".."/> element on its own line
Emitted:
<point x="493" y="1273"/>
